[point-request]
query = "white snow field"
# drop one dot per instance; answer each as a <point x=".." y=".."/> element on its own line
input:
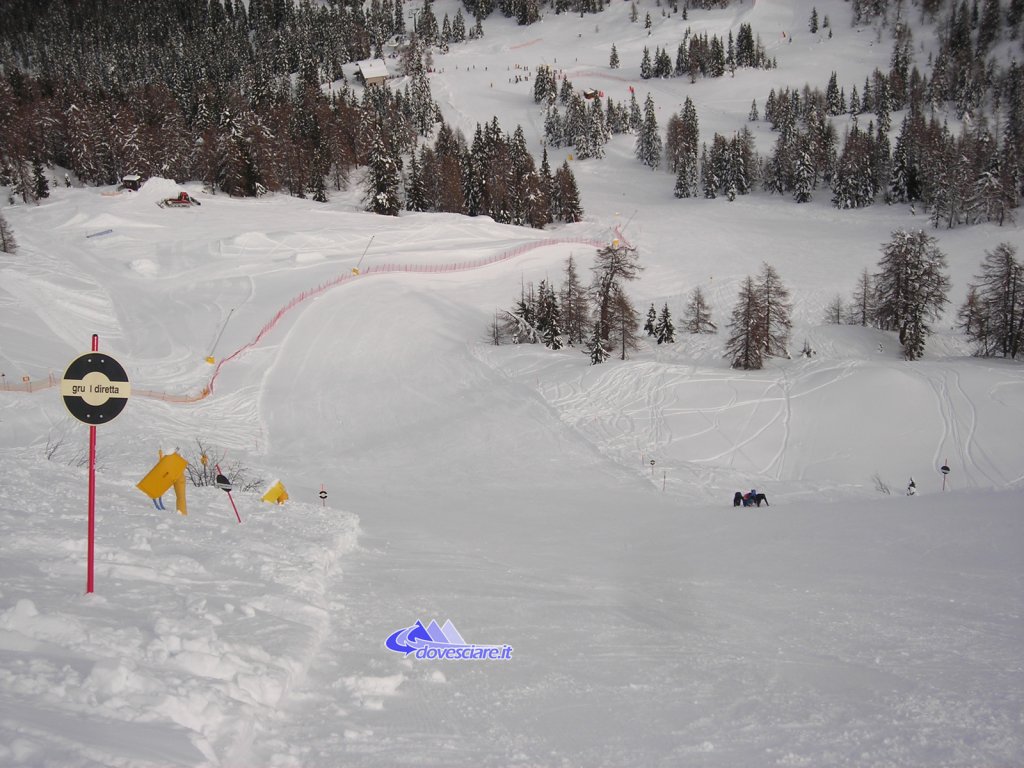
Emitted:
<point x="579" y="514"/>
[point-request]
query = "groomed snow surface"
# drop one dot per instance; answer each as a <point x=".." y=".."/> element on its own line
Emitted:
<point x="580" y="514"/>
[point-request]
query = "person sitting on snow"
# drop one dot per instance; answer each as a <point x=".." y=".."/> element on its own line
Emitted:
<point x="754" y="499"/>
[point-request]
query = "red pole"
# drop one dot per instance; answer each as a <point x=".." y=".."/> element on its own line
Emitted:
<point x="237" y="516"/>
<point x="92" y="508"/>
<point x="92" y="494"/>
<point x="217" y="467"/>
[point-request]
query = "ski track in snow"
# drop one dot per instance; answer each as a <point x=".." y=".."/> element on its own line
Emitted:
<point x="780" y="458"/>
<point x="972" y="446"/>
<point x="66" y="306"/>
<point x="959" y="418"/>
<point x="646" y="403"/>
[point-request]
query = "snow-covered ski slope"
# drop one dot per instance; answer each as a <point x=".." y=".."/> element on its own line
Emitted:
<point x="509" y="490"/>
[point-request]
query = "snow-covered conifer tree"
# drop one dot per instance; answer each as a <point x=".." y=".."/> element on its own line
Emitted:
<point x="635" y="115"/>
<point x="854" y="106"/>
<point x="652" y="318"/>
<point x="40" y="186"/>
<point x="383" y="177"/>
<point x="911" y="288"/>
<point x="646" y="70"/>
<point x="554" y="128"/>
<point x="575" y="128"/>
<point x="458" y="27"/>
<point x="565" y="92"/>
<point x="7" y="242"/>
<point x="709" y="179"/>
<point x="665" y="330"/>
<point x="833" y="105"/>
<point x="803" y="178"/>
<point x="648" y="141"/>
<point x="318" y="188"/>
<point x="567" y="195"/>
<point x="415" y="187"/>
<point x="421" y="104"/>
<point x="545" y="88"/>
<point x="662" y="63"/>
<point x="596" y="346"/>
<point x="525" y="313"/>
<point x="549" y="316"/>
<point x="855" y="184"/>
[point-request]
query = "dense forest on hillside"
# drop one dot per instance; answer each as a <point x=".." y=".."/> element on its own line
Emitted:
<point x="234" y="95"/>
<point x="960" y="175"/>
<point x="251" y="98"/>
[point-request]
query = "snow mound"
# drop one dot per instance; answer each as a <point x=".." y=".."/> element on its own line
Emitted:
<point x="204" y="640"/>
<point x="145" y="267"/>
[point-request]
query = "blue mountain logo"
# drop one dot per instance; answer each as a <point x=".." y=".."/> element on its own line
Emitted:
<point x="437" y="642"/>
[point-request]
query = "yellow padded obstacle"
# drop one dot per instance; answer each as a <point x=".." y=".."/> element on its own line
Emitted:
<point x="168" y="472"/>
<point x="161" y="477"/>
<point x="276" y="494"/>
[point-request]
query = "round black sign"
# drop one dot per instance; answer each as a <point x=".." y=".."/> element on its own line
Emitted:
<point x="223" y="483"/>
<point x="323" y="494"/>
<point x="95" y="388"/>
<point x="944" y="469"/>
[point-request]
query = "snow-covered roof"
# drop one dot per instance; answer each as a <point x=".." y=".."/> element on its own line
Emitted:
<point x="372" y="68"/>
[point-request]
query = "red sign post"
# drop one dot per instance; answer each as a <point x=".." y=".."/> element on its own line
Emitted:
<point x="95" y="390"/>
<point x="91" y="548"/>
<point x="225" y="485"/>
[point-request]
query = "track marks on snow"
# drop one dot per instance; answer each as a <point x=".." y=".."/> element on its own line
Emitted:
<point x="705" y="427"/>
<point x="957" y="444"/>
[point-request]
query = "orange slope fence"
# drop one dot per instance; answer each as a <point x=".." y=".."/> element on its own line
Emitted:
<point x="52" y="380"/>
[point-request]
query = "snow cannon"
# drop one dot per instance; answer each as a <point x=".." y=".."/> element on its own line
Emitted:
<point x="275" y="494"/>
<point x="168" y="472"/>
